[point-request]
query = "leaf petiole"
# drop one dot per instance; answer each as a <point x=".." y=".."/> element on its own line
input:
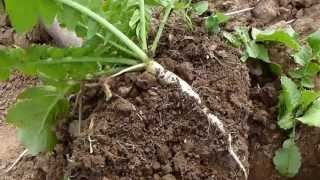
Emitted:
<point x="143" y="32"/>
<point x="161" y="28"/>
<point x="116" y="45"/>
<point x="84" y="10"/>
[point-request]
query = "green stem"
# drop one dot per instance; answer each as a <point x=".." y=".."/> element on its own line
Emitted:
<point x="143" y="26"/>
<point x="84" y="10"/>
<point x="161" y="28"/>
<point x="106" y="60"/>
<point x="123" y="49"/>
<point x="116" y="45"/>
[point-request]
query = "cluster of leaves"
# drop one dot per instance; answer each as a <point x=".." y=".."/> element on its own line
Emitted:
<point x="212" y="22"/>
<point x="298" y="101"/>
<point x="251" y="42"/>
<point x="61" y="70"/>
<point x="215" y="20"/>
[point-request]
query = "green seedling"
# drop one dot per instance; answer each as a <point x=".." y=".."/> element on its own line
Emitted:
<point x="214" y="21"/>
<point x="298" y="102"/>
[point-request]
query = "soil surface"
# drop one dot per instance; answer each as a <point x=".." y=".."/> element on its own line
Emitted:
<point x="150" y="131"/>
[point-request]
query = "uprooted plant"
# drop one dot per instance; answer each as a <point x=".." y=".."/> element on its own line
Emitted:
<point x="299" y="100"/>
<point x="109" y="29"/>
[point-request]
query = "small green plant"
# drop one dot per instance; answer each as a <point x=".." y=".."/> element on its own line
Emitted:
<point x="200" y="7"/>
<point x="298" y="101"/>
<point x="214" y="21"/>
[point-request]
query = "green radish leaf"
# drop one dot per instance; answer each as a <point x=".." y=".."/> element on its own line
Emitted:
<point x="222" y="18"/>
<point x="286" y="36"/>
<point x="243" y="34"/>
<point x="314" y="42"/>
<point x="275" y="69"/>
<point x="6" y="66"/>
<point x="163" y="3"/>
<point x="288" y="159"/>
<point x="286" y="121"/>
<point x="125" y="15"/>
<point x="213" y="22"/>
<point x="307" y="82"/>
<point x="2" y="8"/>
<point x="36" y="114"/>
<point x="257" y="51"/>
<point x="306" y="74"/>
<point x="289" y="100"/>
<point x="312" y="116"/>
<point x="311" y="69"/>
<point x="72" y="20"/>
<point x="232" y="39"/>
<point x="303" y="56"/>
<point x="252" y="49"/>
<point x="58" y="64"/>
<point x="200" y="7"/>
<point x="307" y="98"/>
<point x="24" y="15"/>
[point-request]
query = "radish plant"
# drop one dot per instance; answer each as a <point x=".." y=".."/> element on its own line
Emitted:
<point x="298" y="101"/>
<point x="115" y="42"/>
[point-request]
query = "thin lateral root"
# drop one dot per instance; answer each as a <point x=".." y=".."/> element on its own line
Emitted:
<point x="129" y="69"/>
<point x="239" y="11"/>
<point x="168" y="77"/>
<point x="236" y="157"/>
<point x="16" y="161"/>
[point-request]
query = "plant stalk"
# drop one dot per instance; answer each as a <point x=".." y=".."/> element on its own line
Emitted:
<point x="84" y="10"/>
<point x="143" y="32"/>
<point x="116" y="45"/>
<point x="123" y="49"/>
<point x="161" y="28"/>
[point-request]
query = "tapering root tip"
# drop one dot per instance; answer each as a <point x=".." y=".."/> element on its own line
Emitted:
<point x="167" y="77"/>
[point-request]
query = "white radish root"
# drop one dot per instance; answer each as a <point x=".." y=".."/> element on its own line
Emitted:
<point x="167" y="77"/>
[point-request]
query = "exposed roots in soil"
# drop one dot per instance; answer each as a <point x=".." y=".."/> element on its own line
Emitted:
<point x="16" y="161"/>
<point x="168" y="77"/>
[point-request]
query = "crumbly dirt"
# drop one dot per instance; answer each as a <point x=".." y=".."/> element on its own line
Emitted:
<point x="304" y="14"/>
